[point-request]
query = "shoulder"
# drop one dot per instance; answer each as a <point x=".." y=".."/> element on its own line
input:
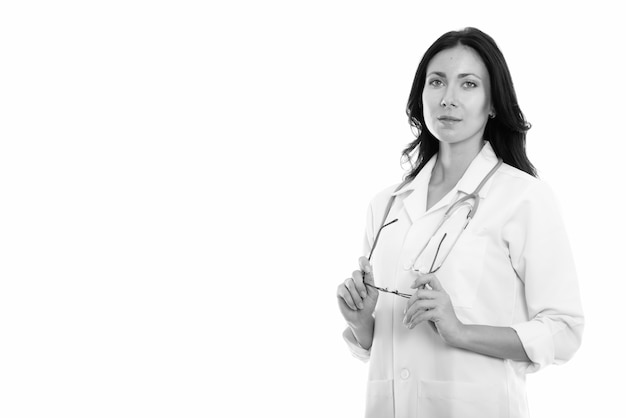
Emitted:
<point x="382" y="197"/>
<point x="520" y="182"/>
<point x="521" y="190"/>
<point x="515" y="175"/>
<point x="379" y="202"/>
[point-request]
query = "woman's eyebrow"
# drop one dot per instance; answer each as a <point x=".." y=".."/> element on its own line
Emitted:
<point x="462" y="75"/>
<point x="437" y="73"/>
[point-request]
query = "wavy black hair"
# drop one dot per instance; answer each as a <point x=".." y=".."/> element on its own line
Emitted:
<point x="506" y="132"/>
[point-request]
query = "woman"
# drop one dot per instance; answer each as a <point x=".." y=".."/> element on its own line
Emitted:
<point x="471" y="284"/>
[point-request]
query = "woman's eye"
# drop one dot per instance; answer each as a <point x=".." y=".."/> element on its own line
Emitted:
<point x="436" y="83"/>
<point x="470" y="84"/>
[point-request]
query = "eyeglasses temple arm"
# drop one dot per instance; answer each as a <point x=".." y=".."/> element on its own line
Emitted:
<point x="369" y="257"/>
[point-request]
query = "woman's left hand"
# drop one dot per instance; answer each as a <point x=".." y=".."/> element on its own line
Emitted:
<point x="432" y="303"/>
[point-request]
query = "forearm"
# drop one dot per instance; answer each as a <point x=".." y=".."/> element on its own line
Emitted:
<point x="500" y="342"/>
<point x="363" y="332"/>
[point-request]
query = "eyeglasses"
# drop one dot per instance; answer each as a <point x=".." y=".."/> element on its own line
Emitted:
<point x="432" y="255"/>
<point x="383" y="289"/>
<point x="455" y="220"/>
<point x="442" y="241"/>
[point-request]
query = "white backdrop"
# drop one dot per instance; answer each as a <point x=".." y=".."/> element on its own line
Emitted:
<point x="184" y="184"/>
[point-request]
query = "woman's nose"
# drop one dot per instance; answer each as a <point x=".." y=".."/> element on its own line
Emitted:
<point x="449" y="97"/>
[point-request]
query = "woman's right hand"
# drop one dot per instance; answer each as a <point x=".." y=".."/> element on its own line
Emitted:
<point x="357" y="301"/>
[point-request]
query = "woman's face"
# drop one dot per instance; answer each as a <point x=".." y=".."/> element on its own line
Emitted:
<point x="457" y="96"/>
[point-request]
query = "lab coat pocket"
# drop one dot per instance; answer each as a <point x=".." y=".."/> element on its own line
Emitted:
<point x="379" y="402"/>
<point x="462" y="271"/>
<point x="438" y="399"/>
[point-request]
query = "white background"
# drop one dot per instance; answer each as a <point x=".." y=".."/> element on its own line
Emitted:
<point x="183" y="185"/>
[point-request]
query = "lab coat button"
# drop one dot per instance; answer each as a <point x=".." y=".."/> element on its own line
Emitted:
<point x="408" y="264"/>
<point x="404" y="373"/>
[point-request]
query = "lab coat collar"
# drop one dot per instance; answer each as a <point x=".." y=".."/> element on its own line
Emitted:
<point x="415" y="202"/>
<point x="421" y="180"/>
<point x="476" y="172"/>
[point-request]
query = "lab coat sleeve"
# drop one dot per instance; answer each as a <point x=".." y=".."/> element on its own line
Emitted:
<point x="541" y="256"/>
<point x="353" y="345"/>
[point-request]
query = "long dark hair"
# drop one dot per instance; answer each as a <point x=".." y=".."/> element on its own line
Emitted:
<point x="506" y="132"/>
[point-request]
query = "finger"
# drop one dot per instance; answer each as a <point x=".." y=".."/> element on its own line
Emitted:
<point x="412" y="300"/>
<point x="354" y="292"/>
<point x="366" y="268"/>
<point x="436" y="284"/>
<point x="423" y="280"/>
<point x="422" y="316"/>
<point x="416" y="308"/>
<point x="345" y="297"/>
<point x="417" y="295"/>
<point x="364" y="265"/>
<point x="357" y="277"/>
<point x="421" y="293"/>
<point x="426" y="294"/>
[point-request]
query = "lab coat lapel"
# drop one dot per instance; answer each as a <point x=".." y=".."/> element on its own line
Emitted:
<point x="476" y="172"/>
<point x="413" y="195"/>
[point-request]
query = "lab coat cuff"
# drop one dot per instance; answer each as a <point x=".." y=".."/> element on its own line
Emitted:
<point x="354" y="346"/>
<point x="538" y="343"/>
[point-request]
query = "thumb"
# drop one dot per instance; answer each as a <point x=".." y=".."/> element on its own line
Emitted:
<point x="366" y="268"/>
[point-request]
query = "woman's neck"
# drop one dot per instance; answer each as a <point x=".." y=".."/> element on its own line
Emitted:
<point x="452" y="161"/>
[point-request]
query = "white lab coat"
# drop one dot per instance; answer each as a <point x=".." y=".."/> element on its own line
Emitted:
<point x="512" y="267"/>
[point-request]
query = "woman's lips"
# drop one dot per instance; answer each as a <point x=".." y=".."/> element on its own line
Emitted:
<point x="448" y="120"/>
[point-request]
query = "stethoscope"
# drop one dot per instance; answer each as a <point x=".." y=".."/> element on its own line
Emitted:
<point x="464" y="201"/>
<point x="451" y="210"/>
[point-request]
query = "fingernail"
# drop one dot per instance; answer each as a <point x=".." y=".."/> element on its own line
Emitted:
<point x="360" y="305"/>
<point x="363" y="294"/>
